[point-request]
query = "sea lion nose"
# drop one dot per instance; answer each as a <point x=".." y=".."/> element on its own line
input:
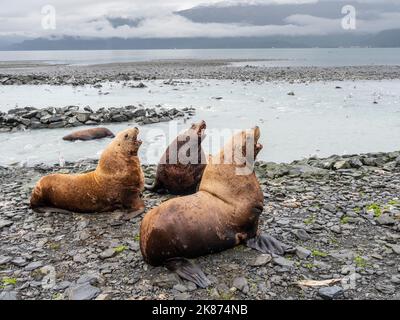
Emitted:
<point x="257" y="132"/>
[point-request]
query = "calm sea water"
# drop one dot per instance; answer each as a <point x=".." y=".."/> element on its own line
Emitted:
<point x="276" y="57"/>
<point x="319" y="120"/>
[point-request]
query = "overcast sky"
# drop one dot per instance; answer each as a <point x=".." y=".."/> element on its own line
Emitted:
<point x="91" y="18"/>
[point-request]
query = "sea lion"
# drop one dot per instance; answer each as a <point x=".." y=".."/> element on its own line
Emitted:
<point x="179" y="171"/>
<point x="89" y="134"/>
<point x="222" y="214"/>
<point x="115" y="184"/>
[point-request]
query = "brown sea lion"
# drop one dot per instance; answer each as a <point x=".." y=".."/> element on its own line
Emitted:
<point x="222" y="214"/>
<point x="181" y="167"/>
<point x="115" y="184"/>
<point x="89" y="134"/>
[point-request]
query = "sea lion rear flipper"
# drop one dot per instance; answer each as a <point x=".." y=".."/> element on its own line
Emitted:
<point x="267" y="244"/>
<point x="188" y="271"/>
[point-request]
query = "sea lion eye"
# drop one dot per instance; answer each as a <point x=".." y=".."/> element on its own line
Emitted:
<point x="126" y="136"/>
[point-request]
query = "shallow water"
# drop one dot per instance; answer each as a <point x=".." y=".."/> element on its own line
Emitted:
<point x="274" y="57"/>
<point x="319" y="120"/>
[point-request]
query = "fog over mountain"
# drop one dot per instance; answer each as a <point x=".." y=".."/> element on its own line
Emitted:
<point x="233" y="24"/>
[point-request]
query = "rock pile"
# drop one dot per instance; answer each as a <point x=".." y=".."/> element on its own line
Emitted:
<point x="74" y="116"/>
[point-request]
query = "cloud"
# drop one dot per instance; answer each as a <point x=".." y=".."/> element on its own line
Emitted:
<point x="156" y="18"/>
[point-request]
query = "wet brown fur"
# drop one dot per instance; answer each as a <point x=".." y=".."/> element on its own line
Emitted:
<point x="115" y="184"/>
<point x="179" y="178"/>
<point x="222" y="214"/>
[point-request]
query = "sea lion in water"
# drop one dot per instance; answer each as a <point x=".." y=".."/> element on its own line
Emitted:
<point x="181" y="167"/>
<point x="222" y="214"/>
<point x="89" y="134"/>
<point x="115" y="184"/>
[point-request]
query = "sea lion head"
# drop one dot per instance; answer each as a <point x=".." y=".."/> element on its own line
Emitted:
<point x="127" y="142"/>
<point x="250" y="145"/>
<point x="198" y="129"/>
<point x="243" y="148"/>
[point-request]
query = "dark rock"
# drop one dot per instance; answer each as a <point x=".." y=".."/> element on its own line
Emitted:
<point x="329" y="293"/>
<point x="83" y="292"/>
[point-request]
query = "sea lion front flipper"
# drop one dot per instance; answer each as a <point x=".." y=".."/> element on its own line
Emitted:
<point x="267" y="244"/>
<point x="188" y="271"/>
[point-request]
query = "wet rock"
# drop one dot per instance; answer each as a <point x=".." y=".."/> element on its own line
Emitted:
<point x="34" y="265"/>
<point x="20" y="262"/>
<point x="8" y="295"/>
<point x="385" y="288"/>
<point x="342" y="164"/>
<point x="303" y="253"/>
<point x="5" y="260"/>
<point x="5" y="223"/>
<point x="180" y="287"/>
<point x="395" y="279"/>
<point x="109" y="253"/>
<point x="283" y="262"/>
<point x="385" y="219"/>
<point x="91" y="278"/>
<point x="241" y="284"/>
<point x="166" y="281"/>
<point x="301" y="234"/>
<point x="261" y="260"/>
<point x="329" y="293"/>
<point x="83" y="292"/>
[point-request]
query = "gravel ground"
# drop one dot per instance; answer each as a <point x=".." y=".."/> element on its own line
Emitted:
<point x="342" y="215"/>
<point x="184" y="69"/>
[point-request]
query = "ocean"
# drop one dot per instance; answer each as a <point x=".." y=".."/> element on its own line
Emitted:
<point x="272" y="57"/>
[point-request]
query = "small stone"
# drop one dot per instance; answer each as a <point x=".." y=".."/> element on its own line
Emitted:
<point x="83" y="292"/>
<point x="261" y="260"/>
<point x="5" y="223"/>
<point x="182" y="296"/>
<point x="179" y="287"/>
<point x="8" y="296"/>
<point x="79" y="258"/>
<point x="395" y="248"/>
<point x="385" y="288"/>
<point x="342" y="164"/>
<point x="109" y="253"/>
<point x="301" y="234"/>
<point x="385" y="220"/>
<point x="104" y="296"/>
<point x="303" y="253"/>
<point x="34" y="265"/>
<point x="20" y="262"/>
<point x="283" y="262"/>
<point x="91" y="278"/>
<point x="241" y="284"/>
<point x="166" y="281"/>
<point x="4" y="259"/>
<point x="62" y="286"/>
<point x="329" y="293"/>
<point x="336" y="229"/>
<point x="329" y="207"/>
<point x="395" y="279"/>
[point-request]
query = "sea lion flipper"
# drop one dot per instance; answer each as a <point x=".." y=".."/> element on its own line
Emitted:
<point x="188" y="271"/>
<point x="267" y="244"/>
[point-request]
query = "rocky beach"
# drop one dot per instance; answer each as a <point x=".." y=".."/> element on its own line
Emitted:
<point x="35" y="74"/>
<point x="341" y="213"/>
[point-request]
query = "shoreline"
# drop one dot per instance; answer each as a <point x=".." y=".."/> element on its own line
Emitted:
<point x="188" y="69"/>
<point x="341" y="213"/>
